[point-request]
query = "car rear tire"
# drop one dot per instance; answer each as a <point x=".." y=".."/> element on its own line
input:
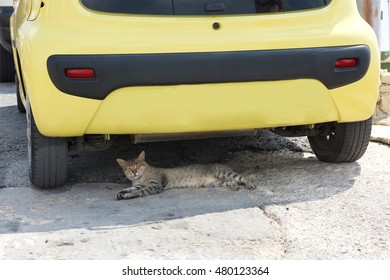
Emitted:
<point x="7" y="67"/>
<point x="345" y="142"/>
<point x="48" y="156"/>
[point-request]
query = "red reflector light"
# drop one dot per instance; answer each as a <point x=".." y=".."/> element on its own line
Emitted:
<point x="346" y="63"/>
<point x="85" y="73"/>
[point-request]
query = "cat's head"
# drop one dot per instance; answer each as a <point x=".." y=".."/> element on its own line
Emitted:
<point x="133" y="168"/>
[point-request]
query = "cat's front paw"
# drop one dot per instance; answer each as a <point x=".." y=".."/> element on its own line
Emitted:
<point x="250" y="186"/>
<point x="235" y="187"/>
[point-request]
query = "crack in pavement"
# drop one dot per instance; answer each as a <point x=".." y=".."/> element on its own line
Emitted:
<point x="277" y="225"/>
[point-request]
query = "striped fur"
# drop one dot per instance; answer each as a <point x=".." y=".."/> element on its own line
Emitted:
<point x="148" y="180"/>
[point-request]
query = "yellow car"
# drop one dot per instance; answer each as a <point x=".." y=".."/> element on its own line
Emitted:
<point x="163" y="69"/>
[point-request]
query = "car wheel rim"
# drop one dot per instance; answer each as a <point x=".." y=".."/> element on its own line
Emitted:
<point x="328" y="141"/>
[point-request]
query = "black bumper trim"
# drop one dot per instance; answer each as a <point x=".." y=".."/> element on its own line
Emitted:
<point x="118" y="71"/>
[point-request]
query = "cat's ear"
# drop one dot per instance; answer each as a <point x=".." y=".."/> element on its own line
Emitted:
<point x="122" y="163"/>
<point x="141" y="156"/>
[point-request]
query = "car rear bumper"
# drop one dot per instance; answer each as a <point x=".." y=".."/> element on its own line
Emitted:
<point x="202" y="108"/>
<point x="112" y="72"/>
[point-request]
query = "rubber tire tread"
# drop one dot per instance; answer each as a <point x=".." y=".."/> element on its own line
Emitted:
<point x="350" y="144"/>
<point x="7" y="67"/>
<point x="48" y="157"/>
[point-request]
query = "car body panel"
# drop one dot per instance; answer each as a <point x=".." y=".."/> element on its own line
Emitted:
<point x="195" y="107"/>
<point x="171" y="109"/>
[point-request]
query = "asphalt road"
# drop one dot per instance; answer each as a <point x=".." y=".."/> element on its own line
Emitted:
<point x="301" y="209"/>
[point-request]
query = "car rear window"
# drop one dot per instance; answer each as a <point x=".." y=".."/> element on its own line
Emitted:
<point x="201" y="7"/>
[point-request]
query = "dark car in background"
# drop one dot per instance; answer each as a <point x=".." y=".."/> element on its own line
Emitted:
<point x="7" y="69"/>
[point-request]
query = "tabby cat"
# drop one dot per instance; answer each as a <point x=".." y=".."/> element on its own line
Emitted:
<point x="148" y="180"/>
